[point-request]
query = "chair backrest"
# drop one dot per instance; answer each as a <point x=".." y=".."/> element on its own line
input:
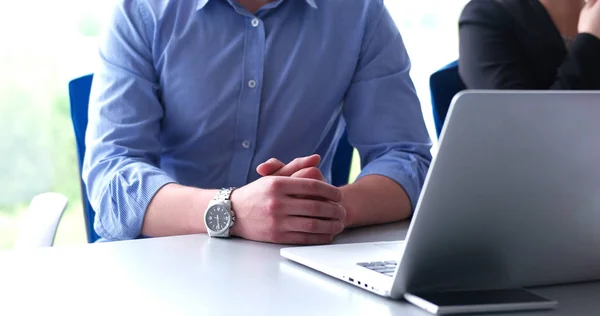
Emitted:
<point x="444" y="84"/>
<point x="342" y="161"/>
<point x="79" y="96"/>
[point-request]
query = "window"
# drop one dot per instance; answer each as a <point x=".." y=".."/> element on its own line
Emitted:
<point x="48" y="43"/>
<point x="430" y="33"/>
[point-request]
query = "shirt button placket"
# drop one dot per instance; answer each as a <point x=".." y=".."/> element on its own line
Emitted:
<point x="252" y="84"/>
<point x="248" y="113"/>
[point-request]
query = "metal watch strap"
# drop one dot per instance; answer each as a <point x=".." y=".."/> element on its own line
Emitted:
<point x="223" y="194"/>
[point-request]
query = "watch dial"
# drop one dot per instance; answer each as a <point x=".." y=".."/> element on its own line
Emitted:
<point x="217" y="218"/>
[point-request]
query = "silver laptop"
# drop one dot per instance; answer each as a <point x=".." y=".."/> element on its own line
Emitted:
<point x="512" y="199"/>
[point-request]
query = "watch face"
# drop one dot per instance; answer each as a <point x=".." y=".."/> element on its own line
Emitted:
<point x="217" y="218"/>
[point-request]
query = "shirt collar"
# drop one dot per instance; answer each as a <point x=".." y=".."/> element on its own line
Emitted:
<point x="202" y="3"/>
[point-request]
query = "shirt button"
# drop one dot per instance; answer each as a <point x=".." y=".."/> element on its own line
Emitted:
<point x="246" y="144"/>
<point x="255" y="22"/>
<point x="252" y="84"/>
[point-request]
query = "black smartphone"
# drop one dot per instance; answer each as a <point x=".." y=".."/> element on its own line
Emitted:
<point x="463" y="302"/>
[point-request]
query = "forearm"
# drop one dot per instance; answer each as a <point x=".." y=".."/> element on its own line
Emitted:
<point x="176" y="210"/>
<point x="374" y="199"/>
<point x="579" y="71"/>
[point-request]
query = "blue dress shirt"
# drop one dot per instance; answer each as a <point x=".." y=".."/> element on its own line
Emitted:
<point x="199" y="92"/>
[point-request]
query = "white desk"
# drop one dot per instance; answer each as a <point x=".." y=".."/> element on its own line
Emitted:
<point x="201" y="276"/>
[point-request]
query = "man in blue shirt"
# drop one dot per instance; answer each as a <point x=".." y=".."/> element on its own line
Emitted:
<point x="195" y="95"/>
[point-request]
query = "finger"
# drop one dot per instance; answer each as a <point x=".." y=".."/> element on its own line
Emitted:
<point x="297" y="165"/>
<point x="296" y="238"/>
<point x="312" y="208"/>
<point x="309" y="173"/>
<point x="307" y="187"/>
<point x="269" y="167"/>
<point x="312" y="225"/>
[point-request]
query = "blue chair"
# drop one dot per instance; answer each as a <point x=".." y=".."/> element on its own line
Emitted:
<point x="342" y="161"/>
<point x="79" y="95"/>
<point x="444" y="84"/>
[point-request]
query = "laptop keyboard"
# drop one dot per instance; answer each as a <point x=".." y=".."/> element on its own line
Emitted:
<point x="383" y="267"/>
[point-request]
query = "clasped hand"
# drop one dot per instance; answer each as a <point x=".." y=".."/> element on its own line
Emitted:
<point x="290" y="204"/>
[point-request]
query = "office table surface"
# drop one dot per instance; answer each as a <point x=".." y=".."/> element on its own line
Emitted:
<point x="202" y="276"/>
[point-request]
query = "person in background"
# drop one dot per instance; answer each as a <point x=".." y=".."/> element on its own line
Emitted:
<point x="202" y="110"/>
<point x="530" y="44"/>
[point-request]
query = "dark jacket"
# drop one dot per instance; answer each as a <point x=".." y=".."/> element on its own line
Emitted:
<point x="513" y="44"/>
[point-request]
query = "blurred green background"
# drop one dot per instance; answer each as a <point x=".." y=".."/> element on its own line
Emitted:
<point x="47" y="43"/>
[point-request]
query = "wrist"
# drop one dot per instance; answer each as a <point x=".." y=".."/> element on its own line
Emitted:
<point x="219" y="216"/>
<point x="203" y="197"/>
<point x="591" y="33"/>
<point x="233" y="230"/>
<point x="200" y="200"/>
<point x="348" y="220"/>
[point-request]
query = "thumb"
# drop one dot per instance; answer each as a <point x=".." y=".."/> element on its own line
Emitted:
<point x="309" y="173"/>
<point x="269" y="167"/>
<point x="277" y="168"/>
<point x="298" y="164"/>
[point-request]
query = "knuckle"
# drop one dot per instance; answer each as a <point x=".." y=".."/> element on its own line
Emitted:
<point x="313" y="186"/>
<point x="314" y="172"/>
<point x="313" y="207"/>
<point x="275" y="185"/>
<point x="272" y="206"/>
<point x="299" y="174"/>
<point x="338" y="194"/>
<point x="310" y="225"/>
<point x="341" y="211"/>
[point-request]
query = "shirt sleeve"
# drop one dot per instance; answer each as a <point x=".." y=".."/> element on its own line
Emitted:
<point x="492" y="57"/>
<point x="382" y="111"/>
<point x="120" y="167"/>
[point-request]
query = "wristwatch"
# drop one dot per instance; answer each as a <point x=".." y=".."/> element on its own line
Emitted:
<point x="219" y="217"/>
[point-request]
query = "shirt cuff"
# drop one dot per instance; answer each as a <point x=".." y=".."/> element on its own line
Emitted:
<point x="585" y="50"/>
<point x="410" y="175"/>
<point x="123" y="207"/>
